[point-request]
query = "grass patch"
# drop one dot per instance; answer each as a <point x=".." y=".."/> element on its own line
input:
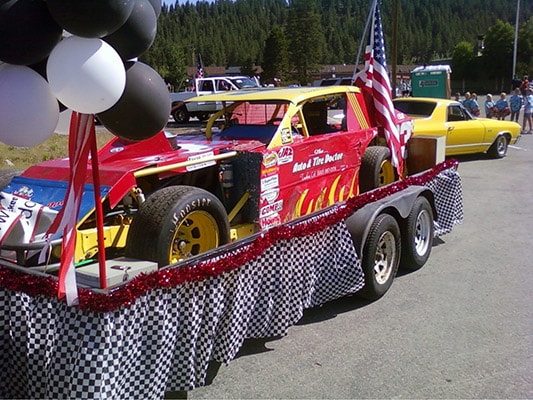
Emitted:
<point x="56" y="146"/>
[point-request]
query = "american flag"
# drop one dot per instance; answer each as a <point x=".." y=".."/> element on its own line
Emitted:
<point x="199" y="68"/>
<point x="374" y="80"/>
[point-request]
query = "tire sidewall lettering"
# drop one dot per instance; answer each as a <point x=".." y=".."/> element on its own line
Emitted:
<point x="197" y="204"/>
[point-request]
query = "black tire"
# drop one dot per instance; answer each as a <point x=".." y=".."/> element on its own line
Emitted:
<point x="381" y="256"/>
<point x="181" y="115"/>
<point x="418" y="235"/>
<point x="498" y="149"/>
<point x="6" y="175"/>
<point x="175" y="223"/>
<point x="203" y="117"/>
<point x="376" y="169"/>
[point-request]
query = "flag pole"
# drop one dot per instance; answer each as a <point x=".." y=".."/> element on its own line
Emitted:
<point x="363" y="37"/>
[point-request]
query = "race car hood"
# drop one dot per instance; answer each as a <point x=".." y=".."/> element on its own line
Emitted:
<point x="118" y="161"/>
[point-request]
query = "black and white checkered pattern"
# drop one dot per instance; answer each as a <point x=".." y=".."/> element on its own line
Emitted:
<point x="165" y="339"/>
<point x="448" y="193"/>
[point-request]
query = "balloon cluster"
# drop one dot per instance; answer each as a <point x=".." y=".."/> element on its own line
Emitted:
<point x="80" y="55"/>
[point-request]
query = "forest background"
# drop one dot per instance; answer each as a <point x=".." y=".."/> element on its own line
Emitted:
<point x="291" y="39"/>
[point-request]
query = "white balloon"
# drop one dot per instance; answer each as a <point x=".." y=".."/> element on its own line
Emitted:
<point x="86" y="75"/>
<point x="28" y="109"/>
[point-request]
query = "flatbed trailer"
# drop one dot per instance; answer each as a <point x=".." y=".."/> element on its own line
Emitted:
<point x="158" y="332"/>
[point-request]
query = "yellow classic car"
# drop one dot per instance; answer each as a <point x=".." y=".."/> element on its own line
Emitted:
<point x="465" y="134"/>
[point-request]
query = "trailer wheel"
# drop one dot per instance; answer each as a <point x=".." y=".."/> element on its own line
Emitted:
<point x="6" y="175"/>
<point x="175" y="223"/>
<point x="181" y="115"/>
<point x="381" y="256"/>
<point x="416" y="246"/>
<point x="498" y="149"/>
<point x="376" y="169"/>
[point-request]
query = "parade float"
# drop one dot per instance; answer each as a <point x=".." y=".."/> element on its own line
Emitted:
<point x="125" y="270"/>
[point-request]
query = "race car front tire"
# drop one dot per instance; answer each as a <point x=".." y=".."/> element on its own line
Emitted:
<point x="175" y="223"/>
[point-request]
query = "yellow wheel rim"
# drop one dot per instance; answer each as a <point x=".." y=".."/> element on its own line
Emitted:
<point x="197" y="233"/>
<point x="386" y="173"/>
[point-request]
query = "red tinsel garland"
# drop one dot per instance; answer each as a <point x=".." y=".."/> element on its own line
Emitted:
<point x="124" y="296"/>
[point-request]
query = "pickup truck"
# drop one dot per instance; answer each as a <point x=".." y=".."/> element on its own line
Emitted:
<point x="265" y="159"/>
<point x="182" y="110"/>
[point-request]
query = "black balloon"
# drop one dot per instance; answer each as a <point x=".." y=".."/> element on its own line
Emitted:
<point x="157" y="7"/>
<point x="138" y="32"/>
<point x="144" y="107"/>
<point x="28" y="33"/>
<point x="90" y="18"/>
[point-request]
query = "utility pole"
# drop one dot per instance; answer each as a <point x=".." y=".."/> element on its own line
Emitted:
<point x="394" y="47"/>
<point x="516" y="37"/>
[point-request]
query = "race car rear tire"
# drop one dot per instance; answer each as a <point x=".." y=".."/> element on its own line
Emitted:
<point x="418" y="237"/>
<point x="6" y="175"/>
<point x="376" y="169"/>
<point x="381" y="256"/>
<point x="181" y="115"/>
<point x="175" y="223"/>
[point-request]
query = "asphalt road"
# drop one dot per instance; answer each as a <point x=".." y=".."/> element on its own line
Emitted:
<point x="461" y="327"/>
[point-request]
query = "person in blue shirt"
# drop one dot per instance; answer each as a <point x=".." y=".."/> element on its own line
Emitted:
<point x="515" y="103"/>
<point x="489" y="106"/>
<point x="467" y="102"/>
<point x="528" y="111"/>
<point x="501" y="107"/>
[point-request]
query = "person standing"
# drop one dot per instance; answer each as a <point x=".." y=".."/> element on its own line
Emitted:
<point x="467" y="102"/>
<point x="515" y="103"/>
<point x="489" y="106"/>
<point x="502" y="107"/>
<point x="524" y="85"/>
<point x="528" y="111"/>
<point x="474" y="105"/>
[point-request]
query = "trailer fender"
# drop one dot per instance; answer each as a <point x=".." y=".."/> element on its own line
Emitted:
<point x="398" y="205"/>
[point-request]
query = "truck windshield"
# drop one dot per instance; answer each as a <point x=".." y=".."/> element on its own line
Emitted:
<point x="243" y="83"/>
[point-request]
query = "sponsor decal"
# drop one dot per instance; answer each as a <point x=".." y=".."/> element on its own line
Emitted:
<point x="285" y="155"/>
<point x="286" y="136"/>
<point x="201" y="165"/>
<point x="24" y="191"/>
<point x="270" y="195"/>
<point x="270" y="160"/>
<point x="269" y="183"/>
<point x="271" y="209"/>
<point x="270" y="221"/>
<point x="319" y="160"/>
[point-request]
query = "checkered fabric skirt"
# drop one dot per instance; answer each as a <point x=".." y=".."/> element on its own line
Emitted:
<point x="165" y="339"/>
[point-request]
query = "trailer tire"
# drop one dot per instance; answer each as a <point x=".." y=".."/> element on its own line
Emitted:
<point x="6" y="175"/>
<point x="181" y="115"/>
<point x="175" y="223"/>
<point x="381" y="256"/>
<point x="376" y="169"/>
<point x="418" y="237"/>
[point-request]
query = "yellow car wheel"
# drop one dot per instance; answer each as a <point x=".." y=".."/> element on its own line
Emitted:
<point x="376" y="169"/>
<point x="175" y="223"/>
<point x="196" y="233"/>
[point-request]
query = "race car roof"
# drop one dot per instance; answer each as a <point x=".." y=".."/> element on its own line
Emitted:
<point x="293" y="95"/>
